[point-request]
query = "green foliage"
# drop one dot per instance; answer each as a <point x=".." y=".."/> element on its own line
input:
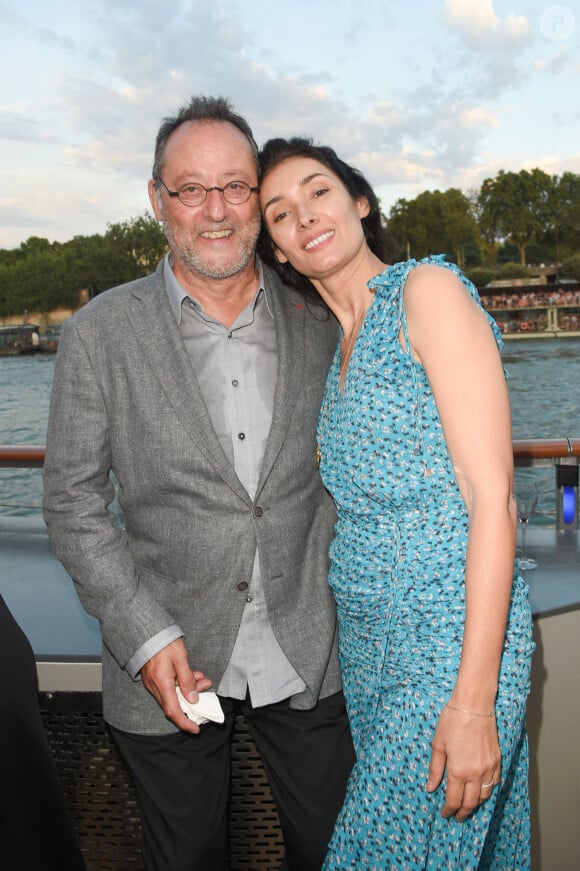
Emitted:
<point x="472" y="255"/>
<point x="42" y="276"/>
<point x="480" y="276"/>
<point x="540" y="252"/>
<point x="512" y="270"/>
<point x="434" y="223"/>
<point x="516" y="207"/>
<point x="571" y="267"/>
<point x="506" y="253"/>
<point x="141" y="241"/>
<point x="562" y="226"/>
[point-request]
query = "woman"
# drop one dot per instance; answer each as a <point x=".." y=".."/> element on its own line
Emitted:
<point x="415" y="447"/>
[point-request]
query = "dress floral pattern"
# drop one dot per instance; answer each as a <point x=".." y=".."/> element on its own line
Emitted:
<point x="397" y="573"/>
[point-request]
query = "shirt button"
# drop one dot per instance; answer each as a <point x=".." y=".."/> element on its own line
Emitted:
<point x="258" y="511"/>
<point x="235" y="382"/>
<point x="241" y="436"/>
<point x="248" y="599"/>
<point x="243" y="586"/>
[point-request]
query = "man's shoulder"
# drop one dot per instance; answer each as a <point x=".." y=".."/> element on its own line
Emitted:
<point x="110" y="303"/>
<point x="294" y="300"/>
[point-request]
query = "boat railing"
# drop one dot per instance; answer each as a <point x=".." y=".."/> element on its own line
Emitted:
<point x="526" y="452"/>
<point x="21" y="456"/>
<point x="533" y="451"/>
<point x="563" y="453"/>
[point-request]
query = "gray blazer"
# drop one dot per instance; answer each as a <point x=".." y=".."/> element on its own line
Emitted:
<point x="125" y="399"/>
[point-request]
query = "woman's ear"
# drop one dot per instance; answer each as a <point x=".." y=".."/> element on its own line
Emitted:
<point x="279" y="255"/>
<point x="363" y="206"/>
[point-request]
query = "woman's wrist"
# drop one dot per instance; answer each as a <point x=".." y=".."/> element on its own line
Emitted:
<point x="465" y="712"/>
<point x="477" y="693"/>
<point x="466" y="703"/>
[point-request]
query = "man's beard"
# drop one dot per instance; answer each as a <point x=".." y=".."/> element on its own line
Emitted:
<point x="182" y="243"/>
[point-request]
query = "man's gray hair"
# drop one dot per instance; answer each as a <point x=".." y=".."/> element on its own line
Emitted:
<point x="201" y="109"/>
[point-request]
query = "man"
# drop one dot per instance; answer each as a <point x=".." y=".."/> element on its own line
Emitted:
<point x="199" y="388"/>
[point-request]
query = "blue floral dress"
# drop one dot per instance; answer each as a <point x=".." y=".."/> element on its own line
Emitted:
<point x="397" y="573"/>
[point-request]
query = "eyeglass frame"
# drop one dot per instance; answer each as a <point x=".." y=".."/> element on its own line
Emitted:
<point x="252" y="189"/>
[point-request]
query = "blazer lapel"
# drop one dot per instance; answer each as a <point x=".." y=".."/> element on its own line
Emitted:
<point x="289" y="319"/>
<point x="163" y="347"/>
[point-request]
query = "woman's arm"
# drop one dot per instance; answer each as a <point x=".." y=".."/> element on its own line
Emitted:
<point x="451" y="337"/>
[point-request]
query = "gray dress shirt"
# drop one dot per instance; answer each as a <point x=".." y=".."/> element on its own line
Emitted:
<point x="236" y="371"/>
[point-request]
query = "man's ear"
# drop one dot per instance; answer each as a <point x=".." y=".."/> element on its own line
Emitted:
<point x="153" y="200"/>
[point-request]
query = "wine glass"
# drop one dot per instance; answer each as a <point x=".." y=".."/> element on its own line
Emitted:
<point x="526" y="494"/>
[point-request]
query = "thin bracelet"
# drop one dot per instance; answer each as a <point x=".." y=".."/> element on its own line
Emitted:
<point x="471" y="713"/>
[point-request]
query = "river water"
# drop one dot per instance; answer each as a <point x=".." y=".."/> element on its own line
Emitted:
<point x="544" y="385"/>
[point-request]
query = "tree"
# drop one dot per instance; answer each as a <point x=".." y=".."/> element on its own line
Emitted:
<point x="513" y="270"/>
<point x="562" y="226"/>
<point x="571" y="267"/>
<point x="459" y="223"/>
<point x="42" y="275"/>
<point x="513" y="206"/>
<point x="480" y="276"/>
<point x="433" y="223"/>
<point x="141" y="240"/>
<point x="33" y="279"/>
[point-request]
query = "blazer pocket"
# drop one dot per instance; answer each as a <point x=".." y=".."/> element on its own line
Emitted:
<point x="172" y="593"/>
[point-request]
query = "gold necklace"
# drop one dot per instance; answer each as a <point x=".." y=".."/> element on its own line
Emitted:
<point x="346" y="353"/>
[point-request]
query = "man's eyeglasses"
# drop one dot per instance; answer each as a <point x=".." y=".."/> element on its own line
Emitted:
<point x="235" y="192"/>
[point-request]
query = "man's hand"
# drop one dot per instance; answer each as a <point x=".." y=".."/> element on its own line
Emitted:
<point x="166" y="669"/>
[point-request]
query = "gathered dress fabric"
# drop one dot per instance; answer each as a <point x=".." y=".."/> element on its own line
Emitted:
<point x="398" y="575"/>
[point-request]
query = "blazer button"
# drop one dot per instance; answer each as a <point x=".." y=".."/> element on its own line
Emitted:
<point x="243" y="586"/>
<point x="258" y="511"/>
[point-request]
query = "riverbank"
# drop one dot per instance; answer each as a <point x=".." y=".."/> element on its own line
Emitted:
<point x="42" y="319"/>
<point x="545" y="334"/>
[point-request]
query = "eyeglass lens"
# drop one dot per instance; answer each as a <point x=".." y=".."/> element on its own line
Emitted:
<point x="234" y="192"/>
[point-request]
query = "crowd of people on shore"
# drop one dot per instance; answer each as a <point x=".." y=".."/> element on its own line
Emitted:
<point x="533" y="299"/>
<point x="527" y="312"/>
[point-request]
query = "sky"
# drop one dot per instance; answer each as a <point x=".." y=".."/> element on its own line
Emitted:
<point x="418" y="94"/>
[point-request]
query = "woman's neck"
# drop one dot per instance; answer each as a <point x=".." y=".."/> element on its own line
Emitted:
<point x="346" y="292"/>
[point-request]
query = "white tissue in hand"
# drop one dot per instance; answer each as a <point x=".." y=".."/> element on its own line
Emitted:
<point x="207" y="710"/>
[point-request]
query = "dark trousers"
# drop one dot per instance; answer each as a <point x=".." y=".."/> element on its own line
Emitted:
<point x="183" y="782"/>
<point x="36" y="831"/>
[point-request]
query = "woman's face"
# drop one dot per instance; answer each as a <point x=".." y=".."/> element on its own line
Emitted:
<point x="312" y="219"/>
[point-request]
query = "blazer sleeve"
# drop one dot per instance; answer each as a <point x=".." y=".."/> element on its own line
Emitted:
<point x="78" y="493"/>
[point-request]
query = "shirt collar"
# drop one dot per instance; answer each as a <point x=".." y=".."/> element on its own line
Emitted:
<point x="177" y="294"/>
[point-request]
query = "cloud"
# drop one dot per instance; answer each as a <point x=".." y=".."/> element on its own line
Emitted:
<point x="356" y="30"/>
<point x="113" y="105"/>
<point x="477" y="23"/>
<point x="555" y="63"/>
<point x="403" y="168"/>
<point x="89" y="96"/>
<point x="16" y="126"/>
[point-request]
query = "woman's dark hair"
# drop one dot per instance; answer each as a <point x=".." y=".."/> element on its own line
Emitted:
<point x="275" y="151"/>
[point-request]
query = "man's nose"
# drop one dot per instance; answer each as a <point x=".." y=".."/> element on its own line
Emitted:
<point x="215" y="204"/>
